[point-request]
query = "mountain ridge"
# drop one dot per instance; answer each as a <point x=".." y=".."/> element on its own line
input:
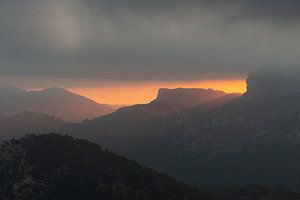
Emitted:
<point x="221" y="139"/>
<point x="211" y="144"/>
<point x="54" y="101"/>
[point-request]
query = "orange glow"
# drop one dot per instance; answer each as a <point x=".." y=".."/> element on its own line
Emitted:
<point x="146" y="92"/>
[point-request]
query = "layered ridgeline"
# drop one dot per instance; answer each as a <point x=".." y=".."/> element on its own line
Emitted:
<point x="168" y="102"/>
<point x="252" y="139"/>
<point x="224" y="141"/>
<point x="54" y="101"/>
<point x="60" y="167"/>
<point x="151" y="133"/>
<point x="139" y="119"/>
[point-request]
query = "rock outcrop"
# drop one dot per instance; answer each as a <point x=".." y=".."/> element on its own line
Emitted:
<point x="184" y="97"/>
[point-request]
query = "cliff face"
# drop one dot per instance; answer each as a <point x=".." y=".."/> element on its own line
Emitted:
<point x="187" y="97"/>
<point x="273" y="84"/>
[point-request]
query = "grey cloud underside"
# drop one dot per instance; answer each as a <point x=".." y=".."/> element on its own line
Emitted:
<point x="147" y="40"/>
<point x="261" y="10"/>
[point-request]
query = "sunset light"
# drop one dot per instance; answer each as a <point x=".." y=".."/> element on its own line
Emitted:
<point x="152" y="100"/>
<point x="146" y="92"/>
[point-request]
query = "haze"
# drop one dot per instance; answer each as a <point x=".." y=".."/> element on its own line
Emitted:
<point x="107" y="49"/>
<point x="150" y="99"/>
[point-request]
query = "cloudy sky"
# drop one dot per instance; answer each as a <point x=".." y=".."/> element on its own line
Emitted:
<point x="81" y="43"/>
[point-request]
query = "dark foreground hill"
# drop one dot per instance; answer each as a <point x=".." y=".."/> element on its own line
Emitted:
<point x="61" y="168"/>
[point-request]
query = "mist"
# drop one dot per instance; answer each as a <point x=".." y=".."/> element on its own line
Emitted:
<point x="83" y="41"/>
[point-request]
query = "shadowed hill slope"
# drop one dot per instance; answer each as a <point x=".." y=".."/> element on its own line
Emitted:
<point x="27" y="122"/>
<point x="60" y="167"/>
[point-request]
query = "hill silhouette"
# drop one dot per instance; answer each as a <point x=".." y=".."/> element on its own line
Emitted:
<point x="60" y="167"/>
<point x="53" y="101"/>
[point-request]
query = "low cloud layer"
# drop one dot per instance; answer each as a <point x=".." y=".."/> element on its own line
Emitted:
<point x="146" y="40"/>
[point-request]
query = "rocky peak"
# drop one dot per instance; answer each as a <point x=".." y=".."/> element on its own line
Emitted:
<point x="187" y="96"/>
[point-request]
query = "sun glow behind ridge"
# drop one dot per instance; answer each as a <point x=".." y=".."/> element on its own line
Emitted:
<point x="139" y="93"/>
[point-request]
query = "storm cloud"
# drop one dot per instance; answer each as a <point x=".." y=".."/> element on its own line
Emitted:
<point x="146" y="40"/>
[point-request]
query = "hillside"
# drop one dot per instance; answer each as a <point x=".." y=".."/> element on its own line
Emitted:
<point x="60" y="167"/>
<point x="27" y="122"/>
<point x="143" y="119"/>
<point x="31" y="122"/>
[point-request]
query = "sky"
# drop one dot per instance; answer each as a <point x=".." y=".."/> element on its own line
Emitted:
<point x="145" y="92"/>
<point x="104" y="48"/>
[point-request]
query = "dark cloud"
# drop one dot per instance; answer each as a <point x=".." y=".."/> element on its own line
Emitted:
<point x="146" y="40"/>
<point x="275" y="11"/>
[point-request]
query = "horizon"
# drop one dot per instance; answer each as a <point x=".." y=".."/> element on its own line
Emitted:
<point x="131" y="94"/>
<point x="85" y="45"/>
<point x="204" y="91"/>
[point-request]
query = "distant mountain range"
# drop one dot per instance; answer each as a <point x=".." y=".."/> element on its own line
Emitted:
<point x="225" y="141"/>
<point x="54" y="101"/>
<point x="213" y="139"/>
<point x="36" y="122"/>
<point x="130" y="124"/>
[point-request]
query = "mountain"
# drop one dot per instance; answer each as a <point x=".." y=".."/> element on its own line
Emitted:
<point x="182" y="98"/>
<point x="138" y="123"/>
<point x="220" y="143"/>
<point x="54" y="101"/>
<point x="228" y="141"/>
<point x="30" y="122"/>
<point x="60" y="167"/>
